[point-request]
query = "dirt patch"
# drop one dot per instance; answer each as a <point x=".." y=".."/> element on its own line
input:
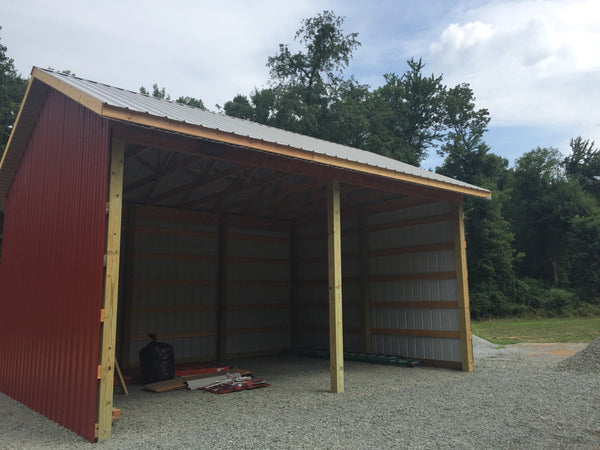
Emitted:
<point x="560" y="349"/>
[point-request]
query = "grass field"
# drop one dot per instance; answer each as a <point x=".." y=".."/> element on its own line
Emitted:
<point x="513" y="331"/>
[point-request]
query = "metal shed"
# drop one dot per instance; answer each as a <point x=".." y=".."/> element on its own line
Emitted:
<point x="126" y="214"/>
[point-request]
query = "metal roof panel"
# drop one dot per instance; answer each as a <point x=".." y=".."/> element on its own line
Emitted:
<point x="140" y="103"/>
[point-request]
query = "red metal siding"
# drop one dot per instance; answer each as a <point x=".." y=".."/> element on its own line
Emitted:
<point x="51" y="271"/>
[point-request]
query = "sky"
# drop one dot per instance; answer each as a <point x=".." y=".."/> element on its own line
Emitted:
<point x="534" y="64"/>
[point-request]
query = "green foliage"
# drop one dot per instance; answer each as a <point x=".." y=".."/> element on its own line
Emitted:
<point x="239" y="107"/>
<point x="327" y="52"/>
<point x="12" y="90"/>
<point x="584" y="255"/>
<point x="161" y="93"/>
<point x="543" y="204"/>
<point x="306" y="83"/>
<point x="409" y="119"/>
<point x="583" y="165"/>
<point x="307" y="92"/>
<point x="191" y="101"/>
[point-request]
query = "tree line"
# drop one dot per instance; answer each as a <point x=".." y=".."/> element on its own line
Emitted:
<point x="533" y="249"/>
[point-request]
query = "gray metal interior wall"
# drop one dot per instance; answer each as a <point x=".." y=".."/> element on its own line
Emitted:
<point x="313" y="307"/>
<point x="411" y="284"/>
<point x="258" y="292"/>
<point x="175" y="287"/>
<point x="426" y="264"/>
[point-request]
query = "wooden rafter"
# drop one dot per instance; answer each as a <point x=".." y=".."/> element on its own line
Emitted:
<point x="135" y="150"/>
<point x="202" y="181"/>
<point x="235" y="186"/>
<point x="262" y="185"/>
<point x="161" y="173"/>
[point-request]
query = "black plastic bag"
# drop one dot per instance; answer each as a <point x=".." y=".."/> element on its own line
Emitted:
<point x="157" y="361"/>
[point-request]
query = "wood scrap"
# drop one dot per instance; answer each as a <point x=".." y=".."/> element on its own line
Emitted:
<point x="173" y="384"/>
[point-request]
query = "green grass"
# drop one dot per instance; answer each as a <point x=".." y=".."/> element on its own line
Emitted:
<point x="514" y="331"/>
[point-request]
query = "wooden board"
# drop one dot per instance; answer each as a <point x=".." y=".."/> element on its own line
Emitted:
<point x="111" y="291"/>
<point x="173" y="384"/>
<point x="464" y="316"/>
<point x="336" y="331"/>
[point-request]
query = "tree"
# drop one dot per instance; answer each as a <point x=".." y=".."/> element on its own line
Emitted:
<point x="408" y="117"/>
<point x="544" y="202"/>
<point x="161" y="93"/>
<point x="466" y="154"/>
<point x="12" y="91"/>
<point x="319" y="68"/>
<point x="491" y="253"/>
<point x="240" y="107"/>
<point x="191" y="101"/>
<point x="584" y="244"/>
<point x="156" y="92"/>
<point x="304" y="85"/>
<point x="583" y="165"/>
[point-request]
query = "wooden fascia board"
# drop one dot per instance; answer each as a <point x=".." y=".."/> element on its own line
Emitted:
<point x="72" y="92"/>
<point x="148" y="120"/>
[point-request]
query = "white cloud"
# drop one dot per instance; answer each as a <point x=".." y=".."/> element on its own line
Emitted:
<point x="210" y="50"/>
<point x="530" y="63"/>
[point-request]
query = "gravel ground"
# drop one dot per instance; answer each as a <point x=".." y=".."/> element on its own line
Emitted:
<point x="521" y="396"/>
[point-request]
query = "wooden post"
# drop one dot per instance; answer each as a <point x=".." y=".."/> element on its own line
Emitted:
<point x="294" y="284"/>
<point x="223" y="281"/>
<point x="128" y="294"/>
<point x="336" y="331"/>
<point x="365" y="308"/>
<point x="463" y="288"/>
<point x="111" y="291"/>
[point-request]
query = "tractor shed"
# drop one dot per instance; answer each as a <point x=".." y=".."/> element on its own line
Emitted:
<point x="126" y="214"/>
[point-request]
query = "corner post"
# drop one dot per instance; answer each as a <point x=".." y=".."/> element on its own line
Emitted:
<point x="460" y="247"/>
<point x="336" y="331"/>
<point x="111" y="290"/>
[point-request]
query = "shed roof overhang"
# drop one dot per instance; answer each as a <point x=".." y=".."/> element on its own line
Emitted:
<point x="154" y="124"/>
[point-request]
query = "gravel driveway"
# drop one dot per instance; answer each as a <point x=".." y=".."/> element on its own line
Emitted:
<point x="518" y="397"/>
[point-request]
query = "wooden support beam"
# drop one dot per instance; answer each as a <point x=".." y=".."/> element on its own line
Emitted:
<point x="336" y="332"/>
<point x="462" y="284"/>
<point x="223" y="282"/>
<point x="418" y="333"/>
<point x="365" y="310"/>
<point x="111" y="291"/>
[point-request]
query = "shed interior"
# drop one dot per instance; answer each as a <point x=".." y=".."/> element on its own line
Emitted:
<point x="224" y="253"/>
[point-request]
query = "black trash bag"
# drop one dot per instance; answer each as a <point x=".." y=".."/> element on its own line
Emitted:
<point x="157" y="361"/>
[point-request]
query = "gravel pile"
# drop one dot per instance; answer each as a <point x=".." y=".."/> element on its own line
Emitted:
<point x="512" y="400"/>
<point x="586" y="361"/>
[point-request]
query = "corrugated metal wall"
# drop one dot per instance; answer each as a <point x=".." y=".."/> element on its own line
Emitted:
<point x="258" y="292"/>
<point x="51" y="271"/>
<point x="412" y="283"/>
<point x="174" y="282"/>
<point x="176" y="286"/>
<point x="313" y="296"/>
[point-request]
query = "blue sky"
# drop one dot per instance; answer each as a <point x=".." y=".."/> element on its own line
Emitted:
<point x="534" y="64"/>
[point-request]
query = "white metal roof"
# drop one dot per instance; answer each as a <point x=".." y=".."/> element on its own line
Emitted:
<point x="134" y="101"/>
